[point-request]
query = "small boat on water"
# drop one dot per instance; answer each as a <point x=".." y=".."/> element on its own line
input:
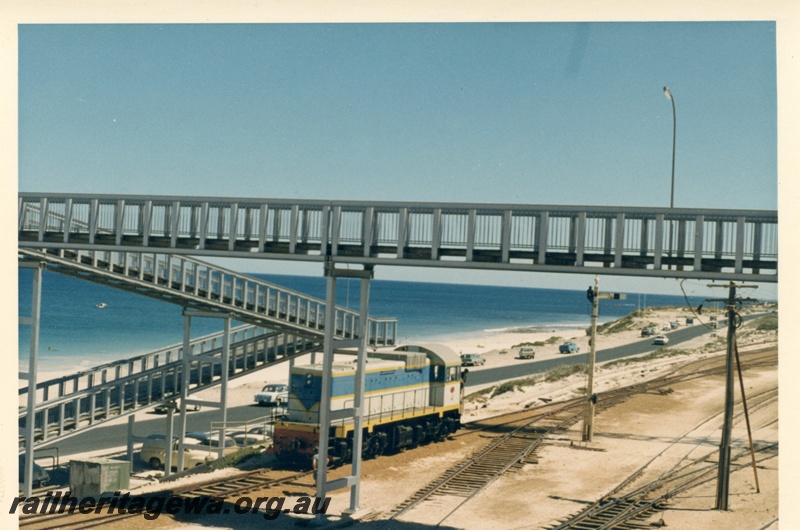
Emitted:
<point x="101" y="305"/>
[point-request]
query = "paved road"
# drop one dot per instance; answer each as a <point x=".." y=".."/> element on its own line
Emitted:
<point x="478" y="377"/>
<point x="111" y="436"/>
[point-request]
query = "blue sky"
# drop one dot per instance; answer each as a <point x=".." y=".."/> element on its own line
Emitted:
<point x="563" y="113"/>
<point x="534" y="113"/>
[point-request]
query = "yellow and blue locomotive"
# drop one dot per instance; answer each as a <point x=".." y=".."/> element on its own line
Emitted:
<point x="413" y="395"/>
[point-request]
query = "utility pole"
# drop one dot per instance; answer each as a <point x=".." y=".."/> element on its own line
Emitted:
<point x="594" y="296"/>
<point x="723" y="470"/>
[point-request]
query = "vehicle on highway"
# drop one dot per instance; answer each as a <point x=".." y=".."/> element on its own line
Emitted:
<point x="661" y="340"/>
<point x="526" y="352"/>
<point x="472" y="359"/>
<point x="674" y="324"/>
<point x="274" y="394"/>
<point x="164" y="407"/>
<point x="569" y="347"/>
<point x="40" y="474"/>
<point x="666" y="327"/>
<point x="647" y="332"/>
<point x="689" y="321"/>
<point x="154" y="452"/>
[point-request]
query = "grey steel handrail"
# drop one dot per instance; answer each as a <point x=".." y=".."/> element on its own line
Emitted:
<point x="707" y="243"/>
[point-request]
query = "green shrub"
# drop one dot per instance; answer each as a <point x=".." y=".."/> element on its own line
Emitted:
<point x="767" y="323"/>
<point x="563" y="372"/>
<point x="511" y="386"/>
<point x="661" y="353"/>
<point x="234" y="458"/>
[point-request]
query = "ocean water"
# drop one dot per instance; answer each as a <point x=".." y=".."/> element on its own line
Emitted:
<point x="75" y="334"/>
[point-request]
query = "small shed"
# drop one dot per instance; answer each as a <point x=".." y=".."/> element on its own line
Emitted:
<point x="96" y="477"/>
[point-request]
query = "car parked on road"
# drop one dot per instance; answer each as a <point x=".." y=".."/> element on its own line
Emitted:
<point x="259" y="435"/>
<point x="648" y="332"/>
<point x="569" y="347"/>
<point x="274" y="394"/>
<point x="472" y="359"/>
<point x="661" y="340"/>
<point x="164" y="407"/>
<point x="211" y="439"/>
<point x="526" y="352"/>
<point x="154" y="452"/>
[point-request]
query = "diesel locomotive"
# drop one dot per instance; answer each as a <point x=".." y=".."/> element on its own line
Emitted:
<point x="413" y="395"/>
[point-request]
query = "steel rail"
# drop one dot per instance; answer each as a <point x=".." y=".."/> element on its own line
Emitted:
<point x="635" y="503"/>
<point x="215" y="488"/>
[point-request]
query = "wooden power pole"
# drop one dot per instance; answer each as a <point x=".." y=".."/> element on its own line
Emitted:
<point x="723" y="470"/>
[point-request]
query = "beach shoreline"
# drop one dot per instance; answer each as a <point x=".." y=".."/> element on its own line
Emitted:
<point x="498" y="346"/>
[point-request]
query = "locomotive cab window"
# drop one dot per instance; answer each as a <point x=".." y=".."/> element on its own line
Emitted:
<point x="452" y="374"/>
<point x="438" y="373"/>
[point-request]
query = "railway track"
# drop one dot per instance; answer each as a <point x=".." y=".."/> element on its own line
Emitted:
<point x="512" y="450"/>
<point x="629" y="511"/>
<point x="625" y="507"/>
<point x="227" y="488"/>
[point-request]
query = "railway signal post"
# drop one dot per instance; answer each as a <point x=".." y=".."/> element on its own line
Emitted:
<point x="594" y="296"/>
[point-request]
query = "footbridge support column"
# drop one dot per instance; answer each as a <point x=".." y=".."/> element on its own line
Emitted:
<point x="31" y="375"/>
<point x="188" y="358"/>
<point x="326" y="416"/>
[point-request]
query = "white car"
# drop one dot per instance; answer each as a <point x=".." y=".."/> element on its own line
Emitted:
<point x="273" y="394"/>
<point x="154" y="452"/>
<point x="661" y="340"/>
<point x="472" y="359"/>
<point x="260" y="435"/>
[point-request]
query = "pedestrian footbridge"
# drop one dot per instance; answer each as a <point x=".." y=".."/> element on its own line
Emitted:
<point x="657" y="242"/>
<point x="280" y="324"/>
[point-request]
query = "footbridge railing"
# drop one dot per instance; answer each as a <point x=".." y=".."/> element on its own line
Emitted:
<point x="76" y="402"/>
<point x="663" y="242"/>
<point x="199" y="285"/>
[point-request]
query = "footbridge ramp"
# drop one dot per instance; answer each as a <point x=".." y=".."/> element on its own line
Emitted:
<point x="77" y="402"/>
<point x="199" y="285"/>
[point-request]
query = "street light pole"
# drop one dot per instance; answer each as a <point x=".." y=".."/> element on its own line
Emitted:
<point x="668" y="94"/>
